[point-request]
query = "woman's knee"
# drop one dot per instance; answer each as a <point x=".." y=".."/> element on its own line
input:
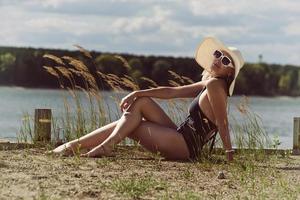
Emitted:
<point x="139" y="103"/>
<point x="144" y="100"/>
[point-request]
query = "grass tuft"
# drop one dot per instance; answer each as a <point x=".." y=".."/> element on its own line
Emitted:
<point x="136" y="187"/>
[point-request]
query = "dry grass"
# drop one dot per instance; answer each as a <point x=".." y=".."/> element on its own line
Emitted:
<point x="135" y="174"/>
<point x="74" y="123"/>
<point x="66" y="69"/>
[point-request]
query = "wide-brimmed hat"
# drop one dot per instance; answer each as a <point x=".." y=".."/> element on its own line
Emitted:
<point x="205" y="57"/>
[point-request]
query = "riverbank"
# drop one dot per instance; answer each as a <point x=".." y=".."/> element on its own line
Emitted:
<point x="135" y="173"/>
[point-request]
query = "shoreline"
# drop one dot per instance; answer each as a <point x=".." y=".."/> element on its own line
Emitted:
<point x="128" y="91"/>
<point x="13" y="145"/>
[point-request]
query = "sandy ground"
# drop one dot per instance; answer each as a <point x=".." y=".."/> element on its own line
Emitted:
<point x="136" y="174"/>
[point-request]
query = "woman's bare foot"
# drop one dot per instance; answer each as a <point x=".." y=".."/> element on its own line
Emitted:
<point x="98" y="151"/>
<point x="66" y="149"/>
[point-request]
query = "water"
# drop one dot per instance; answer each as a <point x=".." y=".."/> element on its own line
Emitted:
<point x="276" y="113"/>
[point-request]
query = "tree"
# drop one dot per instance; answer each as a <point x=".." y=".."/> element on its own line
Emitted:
<point x="136" y="70"/>
<point x="160" y="71"/>
<point x="284" y="83"/>
<point x="110" y="64"/>
<point x="6" y="61"/>
<point x="7" y="64"/>
<point x="255" y="75"/>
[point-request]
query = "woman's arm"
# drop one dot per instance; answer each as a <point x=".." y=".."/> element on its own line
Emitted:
<point x="185" y="91"/>
<point x="218" y="99"/>
<point x="159" y="92"/>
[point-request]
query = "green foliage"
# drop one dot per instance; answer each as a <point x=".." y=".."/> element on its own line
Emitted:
<point x="255" y="75"/>
<point x="6" y="61"/>
<point x="136" y="69"/>
<point x="160" y="71"/>
<point x="24" y="67"/>
<point x="136" y="64"/>
<point x="109" y="64"/>
<point x="275" y="142"/>
<point x="284" y="83"/>
<point x="135" y="187"/>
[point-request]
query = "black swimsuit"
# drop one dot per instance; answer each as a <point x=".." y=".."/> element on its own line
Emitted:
<point x="196" y="128"/>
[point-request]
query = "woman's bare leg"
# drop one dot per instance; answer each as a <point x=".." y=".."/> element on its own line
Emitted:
<point x="89" y="140"/>
<point x="143" y="107"/>
<point x="161" y="139"/>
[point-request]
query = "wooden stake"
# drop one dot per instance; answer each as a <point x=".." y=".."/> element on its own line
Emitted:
<point x="42" y="125"/>
<point x="296" y="137"/>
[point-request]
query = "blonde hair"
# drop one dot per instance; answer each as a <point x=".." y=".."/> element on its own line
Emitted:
<point x="206" y="75"/>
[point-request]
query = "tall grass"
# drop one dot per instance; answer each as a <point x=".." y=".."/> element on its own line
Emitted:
<point x="79" y="119"/>
<point x="26" y="130"/>
<point x="81" y="85"/>
<point x="248" y="131"/>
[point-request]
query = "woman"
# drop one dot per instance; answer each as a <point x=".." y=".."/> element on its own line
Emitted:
<point x="144" y="121"/>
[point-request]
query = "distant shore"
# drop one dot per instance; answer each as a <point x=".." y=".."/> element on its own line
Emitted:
<point x="25" y="67"/>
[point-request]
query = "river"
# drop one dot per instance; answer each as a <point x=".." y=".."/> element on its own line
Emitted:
<point x="276" y="113"/>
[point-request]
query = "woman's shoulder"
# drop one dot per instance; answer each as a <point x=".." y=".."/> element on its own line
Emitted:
<point x="216" y="84"/>
<point x="214" y="81"/>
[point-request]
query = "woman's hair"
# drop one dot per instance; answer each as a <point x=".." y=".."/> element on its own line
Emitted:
<point x="206" y="75"/>
<point x="229" y="80"/>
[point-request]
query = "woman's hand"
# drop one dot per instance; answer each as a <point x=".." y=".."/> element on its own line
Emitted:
<point x="127" y="100"/>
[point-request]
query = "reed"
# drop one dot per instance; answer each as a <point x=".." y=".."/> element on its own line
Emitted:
<point x="79" y="119"/>
<point x="252" y="175"/>
<point x="25" y="133"/>
<point x="249" y="132"/>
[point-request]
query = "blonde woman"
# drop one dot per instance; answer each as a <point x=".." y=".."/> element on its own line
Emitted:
<point x="144" y="121"/>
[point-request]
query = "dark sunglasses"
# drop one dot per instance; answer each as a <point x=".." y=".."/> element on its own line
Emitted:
<point x="224" y="59"/>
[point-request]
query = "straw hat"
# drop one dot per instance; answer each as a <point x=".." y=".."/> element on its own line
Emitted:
<point x="205" y="57"/>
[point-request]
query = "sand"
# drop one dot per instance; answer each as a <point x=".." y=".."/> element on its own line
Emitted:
<point x="133" y="173"/>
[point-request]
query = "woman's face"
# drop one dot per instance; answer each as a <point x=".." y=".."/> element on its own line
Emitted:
<point x="219" y="67"/>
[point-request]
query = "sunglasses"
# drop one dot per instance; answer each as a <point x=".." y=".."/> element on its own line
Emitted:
<point x="224" y="59"/>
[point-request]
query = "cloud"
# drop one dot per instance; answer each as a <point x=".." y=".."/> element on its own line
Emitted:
<point x="170" y="27"/>
<point x="259" y="8"/>
<point x="273" y="53"/>
<point x="50" y="3"/>
<point x="92" y="7"/>
<point x="292" y="29"/>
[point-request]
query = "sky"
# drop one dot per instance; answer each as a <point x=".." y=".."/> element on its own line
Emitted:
<point x="155" y="27"/>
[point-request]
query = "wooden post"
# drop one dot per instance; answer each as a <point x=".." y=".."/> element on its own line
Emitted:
<point x="296" y="137"/>
<point x="42" y="125"/>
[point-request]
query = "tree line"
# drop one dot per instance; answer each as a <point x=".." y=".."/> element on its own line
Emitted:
<point x="24" y="67"/>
